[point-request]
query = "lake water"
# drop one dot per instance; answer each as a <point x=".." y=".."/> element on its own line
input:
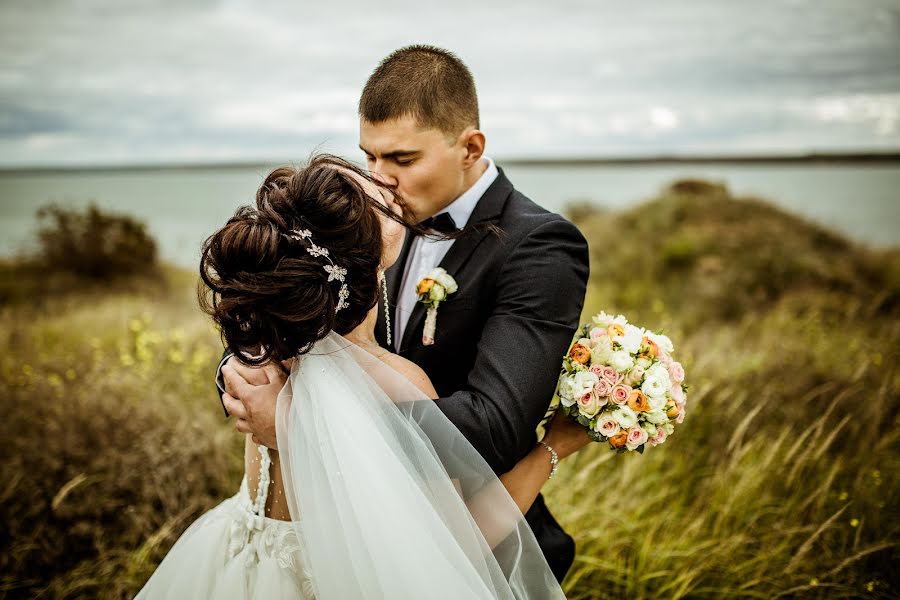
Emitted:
<point x="183" y="206"/>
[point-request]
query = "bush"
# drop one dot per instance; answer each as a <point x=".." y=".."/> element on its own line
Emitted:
<point x="93" y="243"/>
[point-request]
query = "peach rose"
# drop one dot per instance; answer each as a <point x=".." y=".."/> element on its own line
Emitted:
<point x="425" y="286"/>
<point x="637" y="401"/>
<point x="659" y="438"/>
<point x="619" y="393"/>
<point x="611" y="375"/>
<point x="636" y="437"/>
<point x="676" y="372"/>
<point x="615" y="329"/>
<point x="618" y="440"/>
<point x="580" y="354"/>
<point x="602" y="389"/>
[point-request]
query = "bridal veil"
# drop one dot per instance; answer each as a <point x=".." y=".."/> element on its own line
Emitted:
<point x="394" y="502"/>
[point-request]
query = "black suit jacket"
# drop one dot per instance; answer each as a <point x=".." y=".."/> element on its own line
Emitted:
<point x="501" y="337"/>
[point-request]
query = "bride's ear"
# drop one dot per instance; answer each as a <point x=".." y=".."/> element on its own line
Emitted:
<point x="473" y="141"/>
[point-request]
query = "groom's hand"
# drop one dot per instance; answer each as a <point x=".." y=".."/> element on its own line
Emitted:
<point x="250" y="396"/>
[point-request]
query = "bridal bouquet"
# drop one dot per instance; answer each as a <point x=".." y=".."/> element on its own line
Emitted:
<point x="621" y="383"/>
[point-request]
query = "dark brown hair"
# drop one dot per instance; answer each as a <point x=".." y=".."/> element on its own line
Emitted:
<point x="269" y="297"/>
<point x="430" y="84"/>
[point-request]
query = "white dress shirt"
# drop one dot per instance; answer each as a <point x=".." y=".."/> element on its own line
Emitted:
<point x="425" y="254"/>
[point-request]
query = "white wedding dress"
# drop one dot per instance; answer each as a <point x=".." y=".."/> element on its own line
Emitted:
<point x="388" y="500"/>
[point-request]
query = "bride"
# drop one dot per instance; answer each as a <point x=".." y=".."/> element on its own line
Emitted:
<point x="372" y="492"/>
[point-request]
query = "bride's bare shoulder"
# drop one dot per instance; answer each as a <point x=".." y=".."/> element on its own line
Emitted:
<point x="411" y="371"/>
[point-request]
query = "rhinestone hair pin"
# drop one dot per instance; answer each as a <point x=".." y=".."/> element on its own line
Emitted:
<point x="335" y="272"/>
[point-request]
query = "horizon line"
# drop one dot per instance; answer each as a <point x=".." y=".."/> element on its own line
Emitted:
<point x="548" y="161"/>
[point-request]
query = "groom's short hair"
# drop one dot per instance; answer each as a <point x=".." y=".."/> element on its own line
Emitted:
<point x="430" y="84"/>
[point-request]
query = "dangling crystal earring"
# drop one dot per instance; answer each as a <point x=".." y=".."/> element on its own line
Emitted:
<point x="387" y="311"/>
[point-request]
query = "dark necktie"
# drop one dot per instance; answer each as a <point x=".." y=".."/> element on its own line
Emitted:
<point x="442" y="223"/>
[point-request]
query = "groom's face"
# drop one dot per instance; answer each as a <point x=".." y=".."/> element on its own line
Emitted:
<point x="424" y="166"/>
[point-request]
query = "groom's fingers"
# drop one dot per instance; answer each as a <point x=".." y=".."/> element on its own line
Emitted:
<point x="234" y="406"/>
<point x="252" y="375"/>
<point x="235" y="384"/>
<point x="242" y="426"/>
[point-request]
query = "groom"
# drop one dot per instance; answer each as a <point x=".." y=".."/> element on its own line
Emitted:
<point x="521" y="273"/>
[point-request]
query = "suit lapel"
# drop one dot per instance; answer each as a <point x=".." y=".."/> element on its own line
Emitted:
<point x="488" y="210"/>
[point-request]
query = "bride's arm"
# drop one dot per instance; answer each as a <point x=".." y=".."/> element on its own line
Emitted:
<point x="525" y="480"/>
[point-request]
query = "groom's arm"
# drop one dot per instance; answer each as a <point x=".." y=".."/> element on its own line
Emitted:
<point x="540" y="294"/>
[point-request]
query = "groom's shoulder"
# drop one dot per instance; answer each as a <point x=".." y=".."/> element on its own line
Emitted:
<point x="523" y="217"/>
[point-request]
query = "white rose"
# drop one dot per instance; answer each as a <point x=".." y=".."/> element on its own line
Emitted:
<point x="586" y="342"/>
<point x="644" y="362"/>
<point x="584" y="383"/>
<point x="653" y="387"/>
<point x="621" y="361"/>
<point x="656" y="402"/>
<point x="441" y="276"/>
<point x="650" y="428"/>
<point x="438" y="292"/>
<point x="662" y="341"/>
<point x="602" y="320"/>
<point x="631" y="341"/>
<point x="601" y="350"/>
<point x="669" y="428"/>
<point x="567" y="390"/>
<point x="656" y="416"/>
<point x="635" y="375"/>
<point x="659" y="371"/>
<point x="625" y="417"/>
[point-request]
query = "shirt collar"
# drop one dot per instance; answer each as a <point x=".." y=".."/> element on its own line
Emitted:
<point x="462" y="208"/>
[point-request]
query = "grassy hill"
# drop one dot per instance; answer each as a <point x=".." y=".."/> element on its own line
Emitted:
<point x="782" y="481"/>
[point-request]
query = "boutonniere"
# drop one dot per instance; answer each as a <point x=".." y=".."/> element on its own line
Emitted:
<point x="433" y="289"/>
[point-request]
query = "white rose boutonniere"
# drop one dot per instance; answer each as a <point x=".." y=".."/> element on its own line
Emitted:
<point x="433" y="289"/>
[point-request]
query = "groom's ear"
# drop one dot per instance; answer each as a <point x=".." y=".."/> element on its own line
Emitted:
<point x="472" y="140"/>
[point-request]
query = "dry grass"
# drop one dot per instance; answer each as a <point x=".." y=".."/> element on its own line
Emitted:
<point x="782" y="481"/>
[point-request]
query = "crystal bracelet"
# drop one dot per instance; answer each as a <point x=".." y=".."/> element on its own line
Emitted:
<point x="554" y="459"/>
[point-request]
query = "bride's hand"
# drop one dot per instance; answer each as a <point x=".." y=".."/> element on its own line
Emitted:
<point x="565" y="436"/>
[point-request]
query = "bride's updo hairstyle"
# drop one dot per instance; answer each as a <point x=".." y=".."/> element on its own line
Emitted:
<point x="272" y="299"/>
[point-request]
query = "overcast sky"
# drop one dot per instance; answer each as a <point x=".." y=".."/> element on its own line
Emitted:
<point x="114" y="81"/>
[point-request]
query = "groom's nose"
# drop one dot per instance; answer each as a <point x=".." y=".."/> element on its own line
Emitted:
<point x="379" y="173"/>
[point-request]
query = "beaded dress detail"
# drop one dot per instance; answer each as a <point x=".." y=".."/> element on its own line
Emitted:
<point x="236" y="551"/>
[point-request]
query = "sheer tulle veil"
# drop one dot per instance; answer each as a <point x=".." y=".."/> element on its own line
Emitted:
<point x="391" y="500"/>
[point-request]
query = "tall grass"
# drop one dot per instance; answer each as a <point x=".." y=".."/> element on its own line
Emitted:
<point x="781" y="482"/>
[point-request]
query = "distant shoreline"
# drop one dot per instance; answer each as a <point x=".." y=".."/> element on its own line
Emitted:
<point x="662" y="159"/>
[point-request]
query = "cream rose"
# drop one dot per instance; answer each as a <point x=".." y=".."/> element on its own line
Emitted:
<point x="635" y="375"/>
<point x="589" y="405"/>
<point x="442" y="277"/>
<point x="601" y="350"/>
<point x="607" y="425"/>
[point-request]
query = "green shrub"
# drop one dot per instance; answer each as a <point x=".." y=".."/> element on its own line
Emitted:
<point x="94" y="243"/>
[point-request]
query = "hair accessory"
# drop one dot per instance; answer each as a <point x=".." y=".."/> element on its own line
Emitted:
<point x="335" y="272"/>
